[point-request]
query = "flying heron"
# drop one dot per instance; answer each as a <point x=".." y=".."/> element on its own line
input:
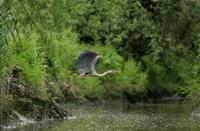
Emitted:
<point x="87" y="62"/>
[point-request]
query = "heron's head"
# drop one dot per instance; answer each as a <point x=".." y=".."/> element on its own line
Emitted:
<point x="99" y="56"/>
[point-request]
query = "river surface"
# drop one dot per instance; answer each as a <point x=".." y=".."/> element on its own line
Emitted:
<point x="120" y="116"/>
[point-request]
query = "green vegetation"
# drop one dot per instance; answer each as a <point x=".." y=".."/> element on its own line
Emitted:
<point x="154" y="44"/>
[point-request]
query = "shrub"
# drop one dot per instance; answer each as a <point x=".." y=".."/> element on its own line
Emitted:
<point x="52" y="57"/>
<point x="25" y="53"/>
<point x="90" y="87"/>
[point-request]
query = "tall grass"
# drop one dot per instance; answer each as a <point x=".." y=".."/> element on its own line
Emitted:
<point x="4" y="68"/>
<point x="5" y="100"/>
<point x="2" y="96"/>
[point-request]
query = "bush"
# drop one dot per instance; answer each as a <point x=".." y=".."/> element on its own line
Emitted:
<point x="131" y="78"/>
<point x="90" y="87"/>
<point x="24" y="52"/>
<point x="60" y="51"/>
<point x="51" y="58"/>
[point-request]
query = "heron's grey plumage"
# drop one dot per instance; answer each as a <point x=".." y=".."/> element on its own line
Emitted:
<point x="87" y="63"/>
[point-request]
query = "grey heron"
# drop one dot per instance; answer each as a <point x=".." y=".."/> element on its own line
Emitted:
<point x="87" y="62"/>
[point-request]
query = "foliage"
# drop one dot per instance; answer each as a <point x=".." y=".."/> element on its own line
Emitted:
<point x="131" y="78"/>
<point x="154" y="44"/>
<point x="91" y="88"/>
<point x="25" y="53"/>
<point x="4" y="30"/>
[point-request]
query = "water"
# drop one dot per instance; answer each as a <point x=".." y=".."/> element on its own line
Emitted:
<point x="117" y="116"/>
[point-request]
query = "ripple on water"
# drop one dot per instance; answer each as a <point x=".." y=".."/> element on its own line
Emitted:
<point x="116" y="117"/>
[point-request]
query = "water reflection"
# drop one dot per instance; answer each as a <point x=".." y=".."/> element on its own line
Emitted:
<point x="116" y="116"/>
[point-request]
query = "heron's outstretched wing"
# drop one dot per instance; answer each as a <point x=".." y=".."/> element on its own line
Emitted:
<point x="85" y="61"/>
<point x="94" y="63"/>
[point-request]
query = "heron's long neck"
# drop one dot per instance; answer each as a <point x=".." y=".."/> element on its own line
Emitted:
<point x="103" y="74"/>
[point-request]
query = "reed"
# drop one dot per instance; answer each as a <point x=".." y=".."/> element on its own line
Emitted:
<point x="2" y="99"/>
